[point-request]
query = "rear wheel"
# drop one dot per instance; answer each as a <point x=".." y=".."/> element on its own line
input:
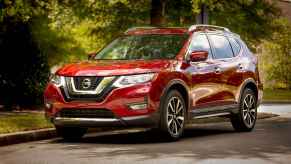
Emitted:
<point x="173" y="110"/>
<point x="246" y="118"/>
<point x="71" y="133"/>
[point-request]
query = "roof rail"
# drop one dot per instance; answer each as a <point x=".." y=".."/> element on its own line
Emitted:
<point x="136" y="28"/>
<point x="194" y="27"/>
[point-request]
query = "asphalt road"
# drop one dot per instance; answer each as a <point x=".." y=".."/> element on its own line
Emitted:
<point x="270" y="142"/>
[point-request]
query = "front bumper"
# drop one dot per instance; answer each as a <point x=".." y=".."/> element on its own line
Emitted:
<point x="119" y="101"/>
<point x="144" y="120"/>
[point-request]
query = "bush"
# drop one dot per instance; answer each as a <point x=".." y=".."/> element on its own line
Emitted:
<point x="24" y="69"/>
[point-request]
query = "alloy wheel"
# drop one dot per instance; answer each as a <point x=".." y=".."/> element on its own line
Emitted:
<point x="249" y="111"/>
<point x="175" y="116"/>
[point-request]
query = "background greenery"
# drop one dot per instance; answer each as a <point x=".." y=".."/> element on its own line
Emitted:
<point x="38" y="34"/>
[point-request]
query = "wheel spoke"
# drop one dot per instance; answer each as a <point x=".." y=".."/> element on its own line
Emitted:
<point x="251" y="101"/>
<point x="253" y="110"/>
<point x="245" y="116"/>
<point x="253" y="114"/>
<point x="245" y="103"/>
<point x="171" y="107"/>
<point x="178" y="106"/>
<point x="180" y="109"/>
<point x="170" y="122"/>
<point x="180" y="121"/>
<point x="175" y="127"/>
<point x="250" y="120"/>
<point x="180" y="118"/>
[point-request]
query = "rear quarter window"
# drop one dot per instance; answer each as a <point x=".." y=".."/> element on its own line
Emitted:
<point x="235" y="46"/>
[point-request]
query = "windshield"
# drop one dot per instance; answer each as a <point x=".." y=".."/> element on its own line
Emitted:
<point x="132" y="47"/>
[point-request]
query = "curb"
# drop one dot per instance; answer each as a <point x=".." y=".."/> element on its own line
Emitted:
<point x="33" y="135"/>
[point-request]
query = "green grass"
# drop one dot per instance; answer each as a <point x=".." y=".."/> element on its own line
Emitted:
<point x="278" y="94"/>
<point x="15" y="122"/>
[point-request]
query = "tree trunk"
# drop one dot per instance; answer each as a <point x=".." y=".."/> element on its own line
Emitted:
<point x="158" y="12"/>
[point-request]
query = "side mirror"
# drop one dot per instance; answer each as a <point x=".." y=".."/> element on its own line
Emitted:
<point x="91" y="55"/>
<point x="197" y="56"/>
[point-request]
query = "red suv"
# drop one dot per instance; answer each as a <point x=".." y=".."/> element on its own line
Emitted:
<point x="160" y="78"/>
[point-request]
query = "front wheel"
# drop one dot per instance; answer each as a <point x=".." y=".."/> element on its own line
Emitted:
<point x="173" y="110"/>
<point x="246" y="118"/>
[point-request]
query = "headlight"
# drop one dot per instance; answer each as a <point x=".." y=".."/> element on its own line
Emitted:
<point x="125" y="81"/>
<point x="57" y="80"/>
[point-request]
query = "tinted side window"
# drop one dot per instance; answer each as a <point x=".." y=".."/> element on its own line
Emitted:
<point x="200" y="43"/>
<point x="221" y="46"/>
<point x="235" y="46"/>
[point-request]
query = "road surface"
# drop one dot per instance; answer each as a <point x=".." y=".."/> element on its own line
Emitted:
<point x="270" y="142"/>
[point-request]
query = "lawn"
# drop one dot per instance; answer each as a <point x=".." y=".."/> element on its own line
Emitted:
<point x="278" y="94"/>
<point x="15" y="121"/>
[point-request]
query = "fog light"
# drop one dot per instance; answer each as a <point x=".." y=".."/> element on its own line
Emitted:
<point x="48" y="105"/>
<point x="138" y="106"/>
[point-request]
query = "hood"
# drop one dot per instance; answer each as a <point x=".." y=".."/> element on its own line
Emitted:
<point x="113" y="67"/>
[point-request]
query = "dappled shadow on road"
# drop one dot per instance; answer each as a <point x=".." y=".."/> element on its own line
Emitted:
<point x="205" y="142"/>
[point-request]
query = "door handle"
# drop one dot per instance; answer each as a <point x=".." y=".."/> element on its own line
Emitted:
<point x="217" y="70"/>
<point x="240" y="66"/>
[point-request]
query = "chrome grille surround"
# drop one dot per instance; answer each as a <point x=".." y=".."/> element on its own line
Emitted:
<point x="101" y="87"/>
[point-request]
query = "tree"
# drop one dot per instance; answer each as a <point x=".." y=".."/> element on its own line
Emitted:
<point x="55" y="31"/>
<point x="158" y="11"/>
<point x="252" y="19"/>
<point x="23" y="67"/>
<point x="275" y="58"/>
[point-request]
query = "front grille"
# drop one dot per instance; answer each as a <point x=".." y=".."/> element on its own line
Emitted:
<point x="78" y="82"/>
<point x="86" y="113"/>
<point x="73" y="89"/>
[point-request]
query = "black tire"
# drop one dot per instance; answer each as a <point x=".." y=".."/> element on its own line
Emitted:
<point x="172" y="122"/>
<point x="245" y="119"/>
<point x="71" y="133"/>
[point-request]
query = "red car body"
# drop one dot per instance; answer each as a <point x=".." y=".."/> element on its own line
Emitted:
<point x="205" y="85"/>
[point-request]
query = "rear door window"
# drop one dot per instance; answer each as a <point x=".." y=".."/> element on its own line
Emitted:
<point x="221" y="46"/>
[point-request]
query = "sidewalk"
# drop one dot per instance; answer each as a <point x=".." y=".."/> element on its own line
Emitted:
<point x="284" y="110"/>
<point x="276" y="102"/>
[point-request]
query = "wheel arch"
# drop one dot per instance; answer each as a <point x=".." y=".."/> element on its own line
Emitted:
<point x="180" y="86"/>
<point x="251" y="84"/>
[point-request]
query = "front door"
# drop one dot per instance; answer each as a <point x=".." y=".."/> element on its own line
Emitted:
<point x="206" y="78"/>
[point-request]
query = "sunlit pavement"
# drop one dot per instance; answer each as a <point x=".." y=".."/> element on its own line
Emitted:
<point x="284" y="110"/>
<point x="270" y="142"/>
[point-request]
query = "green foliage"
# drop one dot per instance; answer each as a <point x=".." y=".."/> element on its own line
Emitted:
<point x="57" y="32"/>
<point x="251" y="19"/>
<point x="277" y="94"/>
<point x="179" y="13"/>
<point x="276" y="56"/>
